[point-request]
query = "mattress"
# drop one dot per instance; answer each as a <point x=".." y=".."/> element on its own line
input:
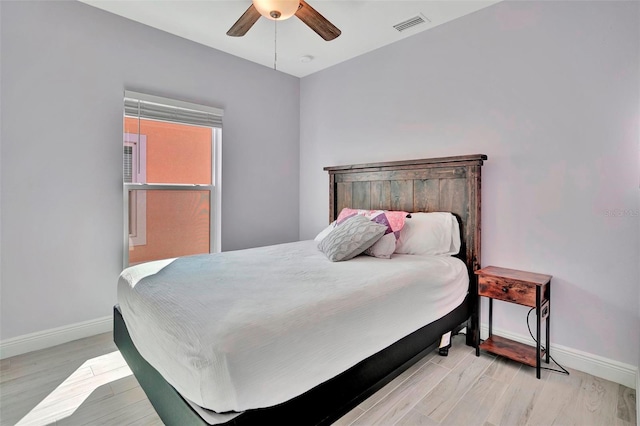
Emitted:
<point x="254" y="328"/>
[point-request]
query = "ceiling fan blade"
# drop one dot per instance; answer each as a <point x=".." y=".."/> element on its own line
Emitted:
<point x="317" y="22"/>
<point x="244" y="24"/>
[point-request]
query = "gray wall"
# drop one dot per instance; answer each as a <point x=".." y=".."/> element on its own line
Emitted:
<point x="550" y="92"/>
<point x="64" y="68"/>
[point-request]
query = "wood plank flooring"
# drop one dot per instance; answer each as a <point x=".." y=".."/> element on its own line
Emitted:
<point x="87" y="382"/>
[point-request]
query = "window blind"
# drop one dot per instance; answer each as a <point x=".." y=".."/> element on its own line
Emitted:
<point x="157" y="108"/>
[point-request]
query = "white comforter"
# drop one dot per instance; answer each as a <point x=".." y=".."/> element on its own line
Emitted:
<point x="254" y="328"/>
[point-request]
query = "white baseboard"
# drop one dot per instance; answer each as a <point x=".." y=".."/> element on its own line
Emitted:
<point x="615" y="371"/>
<point x="55" y="336"/>
<point x="618" y="372"/>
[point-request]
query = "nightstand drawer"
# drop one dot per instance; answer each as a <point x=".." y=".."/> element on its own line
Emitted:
<point x="508" y="290"/>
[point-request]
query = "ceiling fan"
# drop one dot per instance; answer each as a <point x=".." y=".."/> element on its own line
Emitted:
<point x="279" y="10"/>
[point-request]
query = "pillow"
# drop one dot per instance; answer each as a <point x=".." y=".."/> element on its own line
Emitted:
<point x="435" y="233"/>
<point x="351" y="238"/>
<point x="383" y="248"/>
<point x="325" y="232"/>
<point x="394" y="220"/>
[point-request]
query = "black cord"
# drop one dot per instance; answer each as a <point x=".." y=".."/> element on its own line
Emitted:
<point x="564" y="370"/>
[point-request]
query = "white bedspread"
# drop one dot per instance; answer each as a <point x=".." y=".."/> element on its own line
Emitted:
<point x="254" y="328"/>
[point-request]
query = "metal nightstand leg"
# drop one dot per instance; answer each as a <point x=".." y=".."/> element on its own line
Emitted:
<point x="477" y="330"/>
<point x="490" y="317"/>
<point x="538" y="315"/>
<point x="548" y="322"/>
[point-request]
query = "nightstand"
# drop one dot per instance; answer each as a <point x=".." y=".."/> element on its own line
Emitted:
<point x="524" y="288"/>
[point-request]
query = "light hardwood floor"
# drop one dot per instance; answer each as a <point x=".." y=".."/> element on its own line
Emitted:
<point x="87" y="382"/>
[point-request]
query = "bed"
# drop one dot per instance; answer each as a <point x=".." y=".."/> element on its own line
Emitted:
<point x="444" y="184"/>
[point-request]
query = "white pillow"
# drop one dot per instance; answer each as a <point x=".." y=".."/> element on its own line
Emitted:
<point x="383" y="248"/>
<point x="435" y="233"/>
<point x="325" y="232"/>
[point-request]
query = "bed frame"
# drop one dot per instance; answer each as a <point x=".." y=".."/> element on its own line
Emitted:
<point x="435" y="184"/>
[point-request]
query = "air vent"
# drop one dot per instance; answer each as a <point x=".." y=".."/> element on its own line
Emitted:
<point x="411" y="22"/>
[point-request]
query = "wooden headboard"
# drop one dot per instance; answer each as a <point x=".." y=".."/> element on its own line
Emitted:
<point x="449" y="184"/>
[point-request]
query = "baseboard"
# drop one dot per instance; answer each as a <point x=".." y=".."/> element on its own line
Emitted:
<point x="615" y="371"/>
<point x="55" y="336"/>
<point x="618" y="372"/>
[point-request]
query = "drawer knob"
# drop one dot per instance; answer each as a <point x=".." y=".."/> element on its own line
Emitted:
<point x="505" y="289"/>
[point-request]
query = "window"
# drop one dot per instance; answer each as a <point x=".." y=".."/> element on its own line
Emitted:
<point x="171" y="178"/>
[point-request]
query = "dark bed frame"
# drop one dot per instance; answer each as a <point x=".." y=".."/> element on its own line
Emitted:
<point x="436" y="184"/>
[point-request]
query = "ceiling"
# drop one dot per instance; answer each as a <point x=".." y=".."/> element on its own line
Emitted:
<point x="365" y="26"/>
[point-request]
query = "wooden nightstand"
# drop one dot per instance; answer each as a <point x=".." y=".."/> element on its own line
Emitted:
<point x="524" y="288"/>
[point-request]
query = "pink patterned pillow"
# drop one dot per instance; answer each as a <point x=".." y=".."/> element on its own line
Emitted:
<point x="393" y="220"/>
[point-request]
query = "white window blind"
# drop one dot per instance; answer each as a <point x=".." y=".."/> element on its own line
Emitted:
<point x="164" y="109"/>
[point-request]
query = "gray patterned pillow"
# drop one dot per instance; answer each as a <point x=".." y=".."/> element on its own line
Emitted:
<point x="351" y="238"/>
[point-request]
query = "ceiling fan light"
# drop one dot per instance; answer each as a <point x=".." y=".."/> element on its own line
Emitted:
<point x="286" y="8"/>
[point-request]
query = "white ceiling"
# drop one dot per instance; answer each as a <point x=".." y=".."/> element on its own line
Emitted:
<point x="365" y="26"/>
